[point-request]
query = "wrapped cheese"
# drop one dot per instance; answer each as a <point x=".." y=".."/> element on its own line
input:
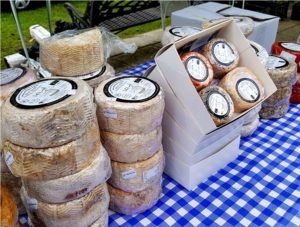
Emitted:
<point x="48" y="113"/>
<point x="129" y="105"/>
<point x="55" y="162"/>
<point x="73" y="52"/>
<point x="131" y="203"/>
<point x="134" y="177"/>
<point x="132" y="148"/>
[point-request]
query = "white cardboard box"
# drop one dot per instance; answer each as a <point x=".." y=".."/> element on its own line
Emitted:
<point x="265" y="25"/>
<point x="189" y="175"/>
<point x="189" y="134"/>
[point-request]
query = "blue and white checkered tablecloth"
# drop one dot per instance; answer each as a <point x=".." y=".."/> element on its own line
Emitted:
<point x="260" y="188"/>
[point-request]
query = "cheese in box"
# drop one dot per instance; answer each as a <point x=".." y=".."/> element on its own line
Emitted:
<point x="189" y="131"/>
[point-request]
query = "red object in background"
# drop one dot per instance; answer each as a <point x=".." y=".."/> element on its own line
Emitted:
<point x="295" y="97"/>
<point x="288" y="50"/>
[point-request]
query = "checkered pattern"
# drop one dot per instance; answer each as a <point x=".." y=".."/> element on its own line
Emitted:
<point x="259" y="188"/>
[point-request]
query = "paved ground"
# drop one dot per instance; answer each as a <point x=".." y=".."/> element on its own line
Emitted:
<point x="288" y="31"/>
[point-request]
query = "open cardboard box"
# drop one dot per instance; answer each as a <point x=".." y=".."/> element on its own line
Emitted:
<point x="265" y="25"/>
<point x="187" y="126"/>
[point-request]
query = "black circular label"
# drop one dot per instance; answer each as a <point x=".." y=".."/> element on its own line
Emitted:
<point x="276" y="62"/>
<point x="217" y="104"/>
<point x="291" y="46"/>
<point x="43" y="93"/>
<point x="196" y="68"/>
<point x="248" y="90"/>
<point x="10" y="75"/>
<point x="131" y="89"/>
<point x="223" y="53"/>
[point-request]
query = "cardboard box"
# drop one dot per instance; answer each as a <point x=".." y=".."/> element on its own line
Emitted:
<point x="189" y="134"/>
<point x="265" y="25"/>
<point x="191" y="175"/>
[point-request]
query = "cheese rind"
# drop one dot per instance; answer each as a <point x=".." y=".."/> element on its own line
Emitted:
<point x="134" y="177"/>
<point x="282" y="71"/>
<point x="170" y="35"/>
<point x="132" y="148"/>
<point x="131" y="203"/>
<point x="198" y="68"/>
<point x="244" y="88"/>
<point x="249" y="129"/>
<point x="13" y="78"/>
<point x="260" y="52"/>
<point x="56" y="162"/>
<point x="279" y="97"/>
<point x="71" y="187"/>
<point x="72" y="53"/>
<point x="101" y="222"/>
<point x="222" y="55"/>
<point x="133" y="116"/>
<point x="54" y="122"/>
<point x="218" y="103"/>
<point x="80" y="212"/>
<point x="245" y="24"/>
<point x="274" y="112"/>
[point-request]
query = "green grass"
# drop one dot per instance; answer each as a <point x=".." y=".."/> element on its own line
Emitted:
<point x="10" y="41"/>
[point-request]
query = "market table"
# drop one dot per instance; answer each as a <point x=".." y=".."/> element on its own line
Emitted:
<point x="260" y="187"/>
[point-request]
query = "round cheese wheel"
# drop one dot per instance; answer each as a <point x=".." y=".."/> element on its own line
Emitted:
<point x="132" y="148"/>
<point x="73" y="186"/>
<point x="244" y="88"/>
<point x="129" y="105"/>
<point x="95" y="78"/>
<point x="102" y="221"/>
<point x="260" y="52"/>
<point x="80" y="212"/>
<point x="287" y="49"/>
<point x="252" y="114"/>
<point x="13" y="78"/>
<point x="281" y="70"/>
<point x="9" y="212"/>
<point x="245" y="24"/>
<point x="279" y="97"/>
<point x="134" y="177"/>
<point x="274" y="112"/>
<point x="131" y="203"/>
<point x="56" y="162"/>
<point x="170" y="35"/>
<point x="249" y="129"/>
<point x="218" y="103"/>
<point x="13" y="184"/>
<point x="72" y="53"/>
<point x="48" y="113"/>
<point x="222" y="55"/>
<point x="198" y="68"/>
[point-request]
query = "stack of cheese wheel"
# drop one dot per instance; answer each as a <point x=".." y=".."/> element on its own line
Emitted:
<point x="52" y="141"/>
<point x="129" y="111"/>
<point x="251" y="120"/>
<point x="292" y="51"/>
<point x="78" y="54"/>
<point x="10" y="80"/>
<point x="283" y="73"/>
